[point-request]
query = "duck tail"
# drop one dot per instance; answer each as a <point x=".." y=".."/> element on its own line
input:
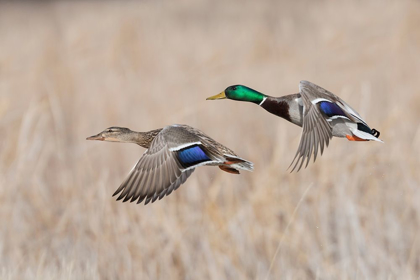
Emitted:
<point x="372" y="135"/>
<point x="375" y="133"/>
<point x="239" y="163"/>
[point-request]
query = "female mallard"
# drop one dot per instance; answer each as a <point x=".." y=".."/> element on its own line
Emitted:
<point x="172" y="154"/>
<point x="321" y="114"/>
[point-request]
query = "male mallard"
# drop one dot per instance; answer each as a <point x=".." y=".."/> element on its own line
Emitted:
<point x="321" y="114"/>
<point x="172" y="154"/>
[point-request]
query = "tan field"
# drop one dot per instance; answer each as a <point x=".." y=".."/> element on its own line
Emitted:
<point x="69" y="70"/>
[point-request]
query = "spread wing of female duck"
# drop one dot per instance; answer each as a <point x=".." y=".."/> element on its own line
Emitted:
<point x="320" y="113"/>
<point x="172" y="154"/>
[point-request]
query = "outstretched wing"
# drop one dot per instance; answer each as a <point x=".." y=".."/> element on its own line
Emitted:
<point x="316" y="94"/>
<point x="163" y="167"/>
<point x="316" y="130"/>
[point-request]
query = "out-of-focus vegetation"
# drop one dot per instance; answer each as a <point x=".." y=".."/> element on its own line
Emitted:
<point x="69" y="70"/>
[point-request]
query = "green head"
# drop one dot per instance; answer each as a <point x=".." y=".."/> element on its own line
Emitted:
<point x="240" y="93"/>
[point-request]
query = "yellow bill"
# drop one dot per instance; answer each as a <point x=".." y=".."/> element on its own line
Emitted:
<point x="221" y="95"/>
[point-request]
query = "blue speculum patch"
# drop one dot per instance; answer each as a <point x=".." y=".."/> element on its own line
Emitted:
<point x="191" y="156"/>
<point x="330" y="109"/>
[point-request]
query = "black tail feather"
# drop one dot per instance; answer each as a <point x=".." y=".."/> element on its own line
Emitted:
<point x="375" y="133"/>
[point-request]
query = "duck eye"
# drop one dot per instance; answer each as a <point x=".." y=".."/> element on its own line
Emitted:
<point x="234" y="88"/>
<point x="110" y="130"/>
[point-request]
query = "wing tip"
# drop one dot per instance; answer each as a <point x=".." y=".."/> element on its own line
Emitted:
<point x="117" y="191"/>
<point x="303" y="83"/>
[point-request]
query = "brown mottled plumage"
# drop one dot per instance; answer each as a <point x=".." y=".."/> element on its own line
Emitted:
<point x="172" y="154"/>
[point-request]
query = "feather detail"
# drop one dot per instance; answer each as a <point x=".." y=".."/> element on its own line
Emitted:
<point x="192" y="155"/>
<point x="172" y="155"/>
<point x="330" y="109"/>
<point x="365" y="135"/>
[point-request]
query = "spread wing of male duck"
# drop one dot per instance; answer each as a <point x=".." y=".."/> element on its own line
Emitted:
<point x="319" y="112"/>
<point x="172" y="154"/>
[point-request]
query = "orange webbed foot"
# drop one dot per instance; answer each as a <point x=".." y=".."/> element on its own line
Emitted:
<point x="354" y="138"/>
<point x="228" y="169"/>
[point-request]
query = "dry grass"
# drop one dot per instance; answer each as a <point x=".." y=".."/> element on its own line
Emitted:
<point x="68" y="71"/>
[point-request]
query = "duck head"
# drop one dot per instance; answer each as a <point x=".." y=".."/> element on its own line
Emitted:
<point x="240" y="93"/>
<point x="113" y="134"/>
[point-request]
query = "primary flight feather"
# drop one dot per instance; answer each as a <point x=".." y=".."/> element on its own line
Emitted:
<point x="172" y="154"/>
<point x="320" y="113"/>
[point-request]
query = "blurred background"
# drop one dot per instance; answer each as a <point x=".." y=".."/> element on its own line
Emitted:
<point x="68" y="70"/>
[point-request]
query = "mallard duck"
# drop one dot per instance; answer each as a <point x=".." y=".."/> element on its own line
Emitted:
<point x="172" y="154"/>
<point x="321" y="114"/>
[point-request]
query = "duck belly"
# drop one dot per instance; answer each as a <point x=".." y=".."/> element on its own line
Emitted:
<point x="296" y="112"/>
<point x="341" y="127"/>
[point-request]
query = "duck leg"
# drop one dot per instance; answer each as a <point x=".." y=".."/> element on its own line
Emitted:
<point x="355" y="138"/>
<point x="228" y="169"/>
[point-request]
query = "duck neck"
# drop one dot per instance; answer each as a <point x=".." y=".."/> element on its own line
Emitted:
<point x="143" y="139"/>
<point x="286" y="107"/>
